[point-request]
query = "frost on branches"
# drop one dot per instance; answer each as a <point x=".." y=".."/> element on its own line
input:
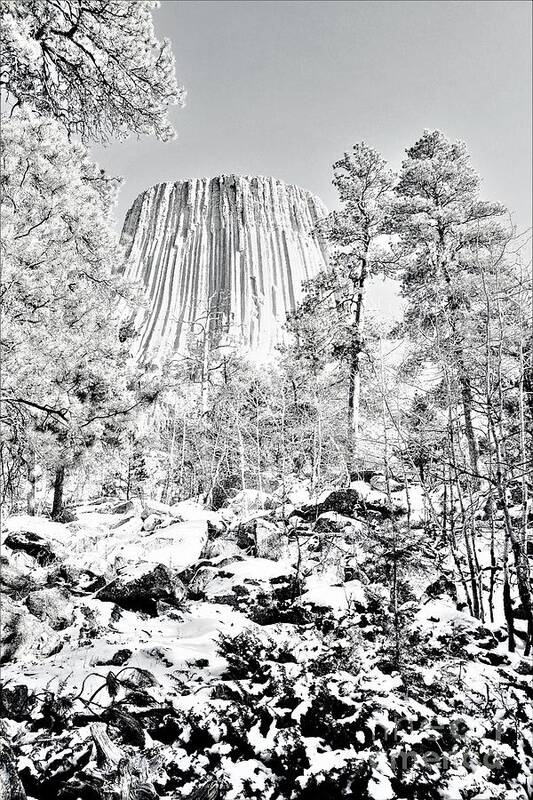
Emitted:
<point x="64" y="378"/>
<point x="96" y="66"/>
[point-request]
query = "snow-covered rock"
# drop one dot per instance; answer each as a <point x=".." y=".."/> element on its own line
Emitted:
<point x="139" y="587"/>
<point x="177" y="546"/>
<point x="381" y="484"/>
<point x="361" y="487"/>
<point x="23" y="636"/>
<point x="39" y="537"/>
<point x="343" y="501"/>
<point x="411" y="501"/>
<point x="152" y="522"/>
<point x="251" y="500"/>
<point x="270" y="540"/>
<point x="20" y="572"/>
<point x="351" y="595"/>
<point x="52" y="606"/>
<point x="332" y="521"/>
<point x="244" y="577"/>
<point x="222" y="547"/>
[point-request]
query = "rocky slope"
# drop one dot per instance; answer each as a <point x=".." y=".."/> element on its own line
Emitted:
<point x="176" y="652"/>
<point x="229" y="252"/>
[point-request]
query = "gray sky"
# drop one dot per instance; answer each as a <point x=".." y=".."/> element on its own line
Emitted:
<point x="284" y="88"/>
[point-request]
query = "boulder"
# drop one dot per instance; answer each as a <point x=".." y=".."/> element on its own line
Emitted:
<point x="42" y="526"/>
<point x="351" y="596"/>
<point x="20" y="573"/>
<point x="361" y="487"/>
<point x="124" y="507"/>
<point x="44" y="551"/>
<point x="24" y="637"/>
<point x="244" y="578"/>
<point x="176" y="546"/>
<point x="222" y="547"/>
<point x="139" y="588"/>
<point x="252" y="500"/>
<point x="270" y="540"/>
<point x="52" y="606"/>
<point x="331" y="522"/>
<point x="152" y="522"/>
<point x="343" y="501"/>
<point x="210" y="583"/>
<point x="156" y="508"/>
<point x="379" y="483"/>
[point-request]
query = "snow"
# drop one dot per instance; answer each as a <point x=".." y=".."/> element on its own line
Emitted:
<point x="338" y="598"/>
<point x="340" y="519"/>
<point x="249" y="772"/>
<point x="362" y="488"/>
<point x="179" y="648"/>
<point x="40" y="526"/>
<point x="177" y="546"/>
<point x="259" y="569"/>
<point x="379" y="787"/>
<point x="412" y="500"/>
<point x="195" y="511"/>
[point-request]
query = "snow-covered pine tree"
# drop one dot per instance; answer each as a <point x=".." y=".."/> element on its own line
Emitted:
<point x="63" y="364"/>
<point x="94" y="65"/>
<point x="330" y="321"/>
<point x="466" y="324"/>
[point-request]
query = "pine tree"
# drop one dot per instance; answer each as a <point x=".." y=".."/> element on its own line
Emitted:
<point x="94" y="65"/>
<point x="443" y="227"/>
<point x="330" y="322"/>
<point x="64" y="366"/>
<point x="466" y="327"/>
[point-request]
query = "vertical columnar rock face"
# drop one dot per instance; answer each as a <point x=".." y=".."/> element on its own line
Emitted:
<point x="228" y="252"/>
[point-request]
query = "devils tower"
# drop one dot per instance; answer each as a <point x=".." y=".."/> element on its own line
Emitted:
<point x="229" y="252"/>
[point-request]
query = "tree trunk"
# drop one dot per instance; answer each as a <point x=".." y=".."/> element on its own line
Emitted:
<point x="205" y="371"/>
<point x="527" y="382"/>
<point x="520" y="556"/>
<point x="507" y="602"/>
<point x="32" y="480"/>
<point x="468" y="402"/>
<point x="354" y="388"/>
<point x="57" y="505"/>
<point x="170" y="462"/>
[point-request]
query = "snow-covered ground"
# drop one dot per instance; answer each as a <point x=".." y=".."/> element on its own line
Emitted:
<point x="250" y="645"/>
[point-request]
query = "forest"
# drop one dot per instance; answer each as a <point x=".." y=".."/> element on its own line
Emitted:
<point x="302" y="577"/>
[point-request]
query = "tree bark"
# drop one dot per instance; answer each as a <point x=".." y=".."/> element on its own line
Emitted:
<point x="354" y="388"/>
<point x="507" y="603"/>
<point x="468" y="403"/>
<point x="32" y="480"/>
<point x="57" y="505"/>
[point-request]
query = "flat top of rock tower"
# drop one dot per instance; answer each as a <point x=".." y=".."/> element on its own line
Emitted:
<point x="232" y="176"/>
